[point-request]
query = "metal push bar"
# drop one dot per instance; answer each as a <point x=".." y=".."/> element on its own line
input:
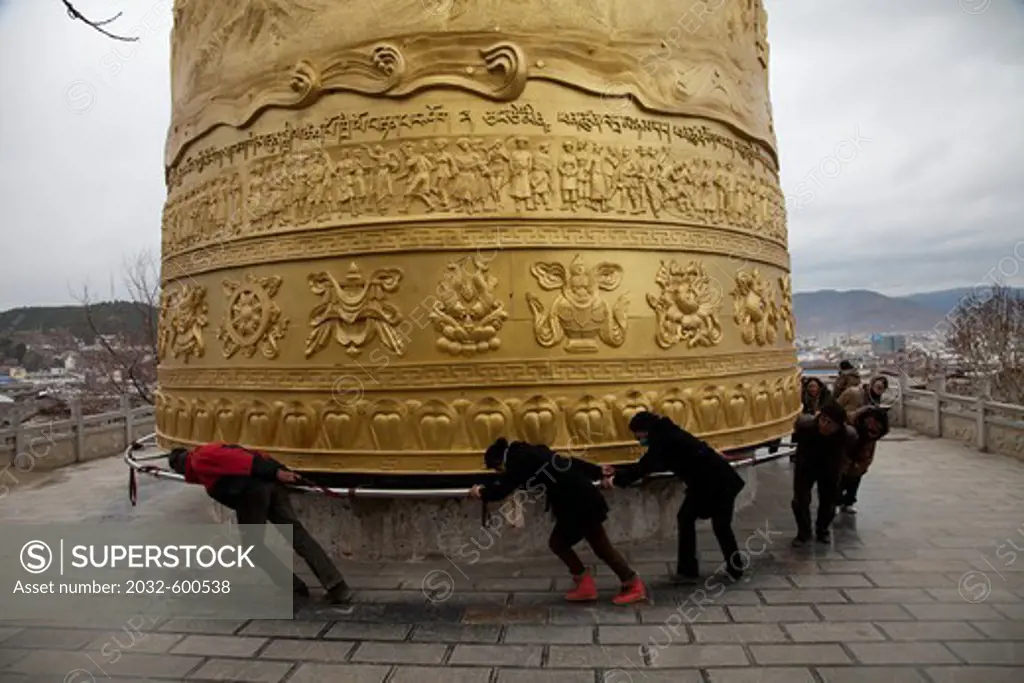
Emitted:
<point x="137" y="461"/>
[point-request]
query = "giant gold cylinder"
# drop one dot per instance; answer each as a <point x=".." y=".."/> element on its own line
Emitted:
<point x="396" y="230"/>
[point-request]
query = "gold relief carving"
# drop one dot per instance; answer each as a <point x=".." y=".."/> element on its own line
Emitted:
<point x="710" y="408"/>
<point x="738" y="408"/>
<point x="685" y="308"/>
<point x="579" y="315"/>
<point x="331" y="427"/>
<point x="588" y="420"/>
<point x="252" y="321"/>
<point x="778" y="398"/>
<point x="387" y="424"/>
<point x="678" y="406"/>
<point x="260" y="423"/>
<point x="732" y="89"/>
<point x="786" y="308"/>
<point x="489" y="419"/>
<point x="632" y="403"/>
<point x="468" y="317"/>
<point x="754" y="308"/>
<point x="761" y="402"/>
<point x="339" y="424"/>
<point x="298" y="427"/>
<point x="537" y="420"/>
<point x="183" y="312"/>
<point x="355" y="311"/>
<point x="315" y="185"/>
<point x="204" y="421"/>
<point x="351" y="241"/>
<point x="510" y="373"/>
<point x="229" y="421"/>
<point x="437" y="423"/>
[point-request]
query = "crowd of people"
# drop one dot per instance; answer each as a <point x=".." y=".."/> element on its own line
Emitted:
<point x="835" y="437"/>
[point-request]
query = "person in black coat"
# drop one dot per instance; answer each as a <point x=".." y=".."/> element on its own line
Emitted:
<point x="711" y="487"/>
<point x="822" y="442"/>
<point x="576" y="503"/>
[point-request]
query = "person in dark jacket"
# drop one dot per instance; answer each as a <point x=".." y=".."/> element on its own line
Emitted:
<point x="815" y="395"/>
<point x="871" y="424"/>
<point x="822" y="441"/>
<point x="252" y="484"/>
<point x="576" y="503"/>
<point x="711" y="487"/>
<point x="848" y="377"/>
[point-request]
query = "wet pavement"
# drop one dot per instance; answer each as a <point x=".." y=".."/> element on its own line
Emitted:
<point x="924" y="584"/>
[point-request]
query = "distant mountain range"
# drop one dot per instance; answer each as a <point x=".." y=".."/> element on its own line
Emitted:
<point x="821" y="312"/>
<point x="863" y="311"/>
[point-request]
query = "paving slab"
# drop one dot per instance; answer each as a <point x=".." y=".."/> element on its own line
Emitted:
<point x="886" y="600"/>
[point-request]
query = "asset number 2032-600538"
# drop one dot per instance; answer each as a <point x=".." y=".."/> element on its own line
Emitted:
<point x="184" y="587"/>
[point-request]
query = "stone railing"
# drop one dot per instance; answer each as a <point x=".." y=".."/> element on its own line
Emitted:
<point x="48" y="445"/>
<point x="988" y="426"/>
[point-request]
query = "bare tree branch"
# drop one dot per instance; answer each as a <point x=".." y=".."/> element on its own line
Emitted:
<point x="98" y="25"/>
<point x="986" y="332"/>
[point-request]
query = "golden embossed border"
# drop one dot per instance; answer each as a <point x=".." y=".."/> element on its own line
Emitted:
<point x="478" y="374"/>
<point x="495" y="67"/>
<point x="345" y="241"/>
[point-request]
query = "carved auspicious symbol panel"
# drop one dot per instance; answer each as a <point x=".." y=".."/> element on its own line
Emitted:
<point x="579" y="316"/>
<point x="468" y="316"/>
<point x="355" y="310"/>
<point x="729" y="411"/>
<point x="755" y="310"/>
<point x="316" y="184"/>
<point x="686" y="309"/>
<point x="183" y="315"/>
<point x="252" y="320"/>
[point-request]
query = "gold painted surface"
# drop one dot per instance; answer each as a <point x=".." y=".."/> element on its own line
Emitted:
<point x="406" y="232"/>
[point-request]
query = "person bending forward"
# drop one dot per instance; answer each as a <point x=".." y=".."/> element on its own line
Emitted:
<point x="252" y="484"/>
<point x="577" y="505"/>
<point x="711" y="487"/>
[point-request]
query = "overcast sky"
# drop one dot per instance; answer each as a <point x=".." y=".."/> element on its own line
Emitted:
<point x="930" y="196"/>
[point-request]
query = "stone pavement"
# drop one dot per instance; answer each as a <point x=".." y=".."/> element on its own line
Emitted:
<point x="923" y="585"/>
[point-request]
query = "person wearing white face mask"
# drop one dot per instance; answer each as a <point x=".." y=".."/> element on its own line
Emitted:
<point x="711" y="487"/>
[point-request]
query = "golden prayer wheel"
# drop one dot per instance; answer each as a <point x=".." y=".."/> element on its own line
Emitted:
<point x="398" y="229"/>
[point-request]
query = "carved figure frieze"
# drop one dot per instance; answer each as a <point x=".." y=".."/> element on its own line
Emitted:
<point x="314" y="184"/>
<point x="579" y="316"/>
<point x="252" y="320"/>
<point x="467" y="315"/>
<point x="183" y="315"/>
<point x="355" y="311"/>
<point x="686" y="308"/>
<point x="754" y="308"/>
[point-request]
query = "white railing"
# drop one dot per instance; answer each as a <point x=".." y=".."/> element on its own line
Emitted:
<point x="48" y="444"/>
<point x="989" y="426"/>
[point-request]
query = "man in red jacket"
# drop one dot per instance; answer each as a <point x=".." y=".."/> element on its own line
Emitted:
<point x="250" y="483"/>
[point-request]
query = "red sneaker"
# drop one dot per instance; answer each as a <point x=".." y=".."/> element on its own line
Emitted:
<point x="632" y="591"/>
<point x="585" y="589"/>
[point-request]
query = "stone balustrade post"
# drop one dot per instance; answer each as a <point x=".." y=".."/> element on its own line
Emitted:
<point x="980" y="441"/>
<point x="940" y="389"/>
<point x="19" y="434"/>
<point x="78" y="429"/>
<point x="129" y="421"/>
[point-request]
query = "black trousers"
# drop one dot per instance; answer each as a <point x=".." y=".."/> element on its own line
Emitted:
<point x="848" y="489"/>
<point x="721" y="524"/>
<point x="266" y="502"/>
<point x="805" y="477"/>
